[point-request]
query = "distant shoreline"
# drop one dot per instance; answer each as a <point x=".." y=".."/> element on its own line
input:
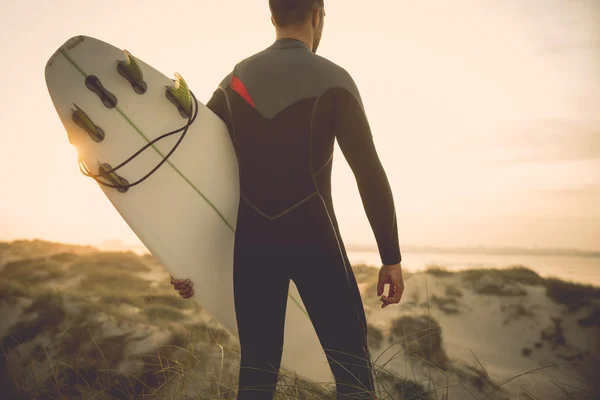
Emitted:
<point x="483" y="250"/>
<point x="582" y="266"/>
<point x="115" y="245"/>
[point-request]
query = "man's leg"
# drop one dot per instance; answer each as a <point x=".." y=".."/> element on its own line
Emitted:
<point x="335" y="308"/>
<point x="261" y="287"/>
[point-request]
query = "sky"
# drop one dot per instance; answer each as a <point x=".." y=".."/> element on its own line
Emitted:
<point x="485" y="113"/>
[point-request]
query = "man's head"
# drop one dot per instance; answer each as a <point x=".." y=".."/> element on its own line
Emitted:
<point x="299" y="17"/>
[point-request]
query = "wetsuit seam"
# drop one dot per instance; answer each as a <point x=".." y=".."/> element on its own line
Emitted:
<point x="365" y="345"/>
<point x="324" y="165"/>
<point x="286" y="211"/>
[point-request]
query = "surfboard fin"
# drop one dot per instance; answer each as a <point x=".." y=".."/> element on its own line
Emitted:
<point x="131" y="70"/>
<point x="81" y="119"/>
<point x="113" y="177"/>
<point x="180" y="95"/>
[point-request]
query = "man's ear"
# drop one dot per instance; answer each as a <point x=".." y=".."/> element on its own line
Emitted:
<point x="272" y="20"/>
<point x="316" y="17"/>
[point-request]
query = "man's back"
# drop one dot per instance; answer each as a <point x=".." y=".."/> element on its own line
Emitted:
<point x="284" y="108"/>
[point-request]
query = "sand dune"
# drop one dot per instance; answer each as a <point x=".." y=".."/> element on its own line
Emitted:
<point x="499" y="324"/>
<point x="78" y="323"/>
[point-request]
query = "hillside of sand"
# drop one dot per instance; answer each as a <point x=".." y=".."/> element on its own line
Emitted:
<point x="79" y="323"/>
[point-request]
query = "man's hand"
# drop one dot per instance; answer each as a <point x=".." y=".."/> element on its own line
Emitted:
<point x="185" y="287"/>
<point x="391" y="274"/>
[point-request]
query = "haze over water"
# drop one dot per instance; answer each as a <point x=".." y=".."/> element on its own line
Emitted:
<point x="574" y="266"/>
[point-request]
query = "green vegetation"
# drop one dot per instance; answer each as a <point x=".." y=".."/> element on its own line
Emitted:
<point x="165" y="313"/>
<point x="421" y="337"/>
<point x="520" y="274"/>
<point x="407" y="389"/>
<point x="10" y="291"/>
<point x="572" y="295"/>
<point x="169" y="298"/>
<point x="516" y="310"/>
<point x="374" y="336"/>
<point x="89" y="326"/>
<point x="64" y="258"/>
<point x="449" y="305"/>
<point x="516" y="274"/>
<point x="453" y="291"/>
<point x="33" y="271"/>
<point x="500" y="282"/>
<point x="37" y="248"/>
<point x="438" y="270"/>
<point x="591" y="320"/>
<point x="110" y="261"/>
<point x="112" y="280"/>
<point x="507" y="281"/>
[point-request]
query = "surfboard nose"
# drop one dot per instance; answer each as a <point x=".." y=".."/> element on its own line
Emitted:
<point x="68" y="45"/>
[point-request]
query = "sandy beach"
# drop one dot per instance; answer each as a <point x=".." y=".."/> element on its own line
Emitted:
<point x="79" y="323"/>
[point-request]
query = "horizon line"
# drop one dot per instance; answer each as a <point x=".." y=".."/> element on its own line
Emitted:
<point x="411" y="248"/>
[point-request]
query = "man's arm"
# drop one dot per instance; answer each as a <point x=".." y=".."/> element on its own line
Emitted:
<point x="354" y="137"/>
<point x="219" y="105"/>
<point x="218" y="102"/>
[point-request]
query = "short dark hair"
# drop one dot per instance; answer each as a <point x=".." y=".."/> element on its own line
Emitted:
<point x="292" y="12"/>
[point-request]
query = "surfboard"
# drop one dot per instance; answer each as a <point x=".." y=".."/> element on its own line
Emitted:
<point x="167" y="164"/>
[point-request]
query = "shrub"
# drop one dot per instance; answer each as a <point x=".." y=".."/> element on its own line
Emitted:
<point x="438" y="270"/>
<point x="453" y="291"/>
<point x="572" y="295"/>
<point x="449" y="305"/>
<point x="162" y="312"/>
<point x="374" y="336"/>
<point x="421" y="336"/>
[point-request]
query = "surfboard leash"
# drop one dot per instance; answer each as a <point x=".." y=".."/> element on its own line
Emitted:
<point x="121" y="184"/>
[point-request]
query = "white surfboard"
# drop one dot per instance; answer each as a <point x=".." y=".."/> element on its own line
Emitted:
<point x="185" y="212"/>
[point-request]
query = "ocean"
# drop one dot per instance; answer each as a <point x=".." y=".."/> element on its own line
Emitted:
<point x="578" y="269"/>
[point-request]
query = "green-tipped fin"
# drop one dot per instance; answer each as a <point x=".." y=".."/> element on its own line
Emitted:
<point x="81" y="119"/>
<point x="180" y="95"/>
<point x="131" y="70"/>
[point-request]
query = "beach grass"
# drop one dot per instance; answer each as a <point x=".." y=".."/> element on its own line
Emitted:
<point x="60" y="347"/>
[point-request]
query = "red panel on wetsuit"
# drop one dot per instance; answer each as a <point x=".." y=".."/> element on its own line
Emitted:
<point x="240" y="89"/>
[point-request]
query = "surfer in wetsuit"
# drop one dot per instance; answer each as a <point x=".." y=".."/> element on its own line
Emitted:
<point x="284" y="108"/>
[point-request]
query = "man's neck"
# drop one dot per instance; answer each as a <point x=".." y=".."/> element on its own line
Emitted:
<point x="304" y="37"/>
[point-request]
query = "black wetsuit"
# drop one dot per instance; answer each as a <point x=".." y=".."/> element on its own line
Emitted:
<point x="284" y="107"/>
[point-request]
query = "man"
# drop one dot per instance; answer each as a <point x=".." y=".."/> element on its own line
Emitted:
<point x="284" y="108"/>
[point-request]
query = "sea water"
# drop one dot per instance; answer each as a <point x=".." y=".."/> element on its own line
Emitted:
<point x="573" y="268"/>
<point x="578" y="269"/>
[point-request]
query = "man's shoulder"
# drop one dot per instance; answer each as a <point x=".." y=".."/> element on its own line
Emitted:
<point x="225" y="82"/>
<point x="333" y="68"/>
<point x="338" y="77"/>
